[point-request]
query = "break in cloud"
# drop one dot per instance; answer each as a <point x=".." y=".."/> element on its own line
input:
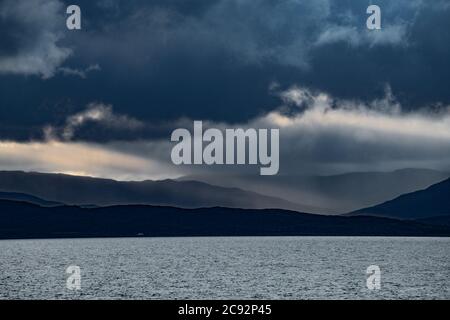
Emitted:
<point x="319" y="135"/>
<point x="84" y="159"/>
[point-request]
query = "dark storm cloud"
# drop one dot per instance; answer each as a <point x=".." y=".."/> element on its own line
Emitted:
<point x="329" y="136"/>
<point x="30" y="31"/>
<point x="165" y="60"/>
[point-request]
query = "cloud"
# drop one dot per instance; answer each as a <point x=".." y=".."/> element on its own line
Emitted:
<point x="253" y="32"/>
<point x="215" y="59"/>
<point x="319" y="134"/>
<point x="395" y="35"/>
<point x="82" y="73"/>
<point x="30" y="32"/>
<point x="95" y="113"/>
<point x="326" y="134"/>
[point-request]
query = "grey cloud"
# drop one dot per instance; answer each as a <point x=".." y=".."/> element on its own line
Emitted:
<point x="260" y="31"/>
<point x="326" y="135"/>
<point x="82" y="73"/>
<point x="319" y="134"/>
<point x="330" y="135"/>
<point x="215" y="59"/>
<point x="31" y="31"/>
<point x="389" y="35"/>
<point x="94" y="113"/>
<point x="252" y="32"/>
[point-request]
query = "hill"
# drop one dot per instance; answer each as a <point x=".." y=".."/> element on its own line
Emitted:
<point x="86" y="191"/>
<point x="23" y="220"/>
<point x="332" y="194"/>
<point x="431" y="202"/>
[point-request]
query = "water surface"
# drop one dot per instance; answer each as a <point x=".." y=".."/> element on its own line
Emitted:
<point x="226" y="268"/>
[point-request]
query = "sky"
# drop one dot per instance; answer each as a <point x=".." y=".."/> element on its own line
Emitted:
<point x="103" y="100"/>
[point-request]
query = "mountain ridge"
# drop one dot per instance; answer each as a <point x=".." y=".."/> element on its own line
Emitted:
<point x="80" y="190"/>
<point x="333" y="194"/>
<point x="23" y="197"/>
<point x="427" y="203"/>
<point x="28" y="221"/>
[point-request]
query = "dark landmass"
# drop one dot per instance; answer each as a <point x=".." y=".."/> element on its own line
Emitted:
<point x="431" y="202"/>
<point x="334" y="194"/>
<point x="86" y="191"/>
<point x="26" y="221"/>
<point x="439" y="220"/>
<point x="15" y="196"/>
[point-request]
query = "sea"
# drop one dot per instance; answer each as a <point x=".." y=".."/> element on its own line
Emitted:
<point x="226" y="268"/>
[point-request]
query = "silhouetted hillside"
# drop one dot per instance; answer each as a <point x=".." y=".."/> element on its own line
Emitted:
<point x="104" y="192"/>
<point x="439" y="220"/>
<point x="332" y="194"/>
<point x="15" y="196"/>
<point x="431" y="202"/>
<point x="23" y="220"/>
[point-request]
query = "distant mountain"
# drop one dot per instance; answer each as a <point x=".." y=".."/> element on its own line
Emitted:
<point x="75" y="190"/>
<point x="431" y="202"/>
<point x="15" y="196"/>
<point x="23" y="220"/>
<point x="332" y="194"/>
